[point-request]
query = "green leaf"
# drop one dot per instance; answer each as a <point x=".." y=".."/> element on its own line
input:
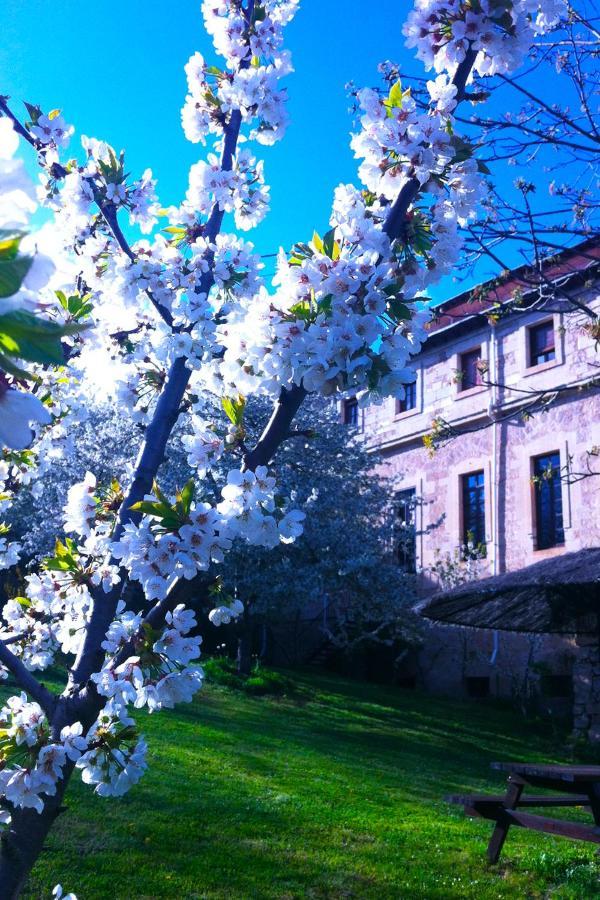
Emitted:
<point x="186" y="495"/>
<point x="149" y="508"/>
<point x="299" y="253"/>
<point x="331" y="248"/>
<point x="324" y="304"/>
<point x="394" y="100"/>
<point x="12" y="273"/>
<point x="9" y="243"/>
<point x="158" y="493"/>
<point x="234" y="409"/>
<point x="34" y="111"/>
<point x="317" y="243"/>
<point x="462" y="149"/>
<point x="7" y="365"/>
<point x="398" y="310"/>
<point x="175" y="229"/>
<point x="26" y="336"/>
<point x="78" y="306"/>
<point x="302" y="310"/>
<point x="65" y="557"/>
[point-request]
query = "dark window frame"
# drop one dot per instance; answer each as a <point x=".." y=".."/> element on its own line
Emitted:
<point x="539" y="351"/>
<point x="473" y="524"/>
<point x="406" y="546"/>
<point x="350" y="412"/>
<point x="547" y="497"/>
<point x="409" y="401"/>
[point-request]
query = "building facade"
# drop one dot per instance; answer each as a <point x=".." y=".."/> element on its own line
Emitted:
<point x="509" y="383"/>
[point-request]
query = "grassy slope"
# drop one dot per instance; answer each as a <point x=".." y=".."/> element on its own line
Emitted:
<point x="335" y="794"/>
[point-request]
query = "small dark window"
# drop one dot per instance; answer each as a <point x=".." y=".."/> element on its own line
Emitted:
<point x="478" y="686"/>
<point x="406" y="535"/>
<point x="473" y="509"/>
<point x="410" y="398"/>
<point x="351" y="411"/>
<point x="548" y="501"/>
<point x="469" y="374"/>
<point x="556" y="685"/>
<point x="541" y="343"/>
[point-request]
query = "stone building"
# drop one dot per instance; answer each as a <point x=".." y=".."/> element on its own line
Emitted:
<point x="509" y="380"/>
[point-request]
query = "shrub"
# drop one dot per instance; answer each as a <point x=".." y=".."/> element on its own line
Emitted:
<point x="222" y="671"/>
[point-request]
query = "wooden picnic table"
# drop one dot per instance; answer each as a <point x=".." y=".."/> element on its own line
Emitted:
<point x="580" y="786"/>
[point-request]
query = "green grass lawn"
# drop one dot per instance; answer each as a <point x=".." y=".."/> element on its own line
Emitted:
<point x="336" y="793"/>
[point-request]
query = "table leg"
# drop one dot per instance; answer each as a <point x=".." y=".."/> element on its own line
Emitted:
<point x="513" y="794"/>
<point x="593" y="792"/>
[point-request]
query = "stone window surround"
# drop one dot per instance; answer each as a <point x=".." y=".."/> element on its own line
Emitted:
<point x="524" y="357"/>
<point x="454" y="520"/>
<point x="418" y="407"/>
<point x="341" y="408"/>
<point x="482" y="345"/>
<point x="526" y="496"/>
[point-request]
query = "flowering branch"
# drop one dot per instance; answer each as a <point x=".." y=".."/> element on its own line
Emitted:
<point x="27" y="681"/>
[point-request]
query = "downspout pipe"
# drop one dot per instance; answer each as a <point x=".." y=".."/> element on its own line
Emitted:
<point x="495" y="518"/>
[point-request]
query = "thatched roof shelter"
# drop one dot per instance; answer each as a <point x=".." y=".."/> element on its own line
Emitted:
<point x="559" y="595"/>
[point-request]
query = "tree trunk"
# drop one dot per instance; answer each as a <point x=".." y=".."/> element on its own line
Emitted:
<point x="244" y="653"/>
<point x="244" y="645"/>
<point x="23" y="842"/>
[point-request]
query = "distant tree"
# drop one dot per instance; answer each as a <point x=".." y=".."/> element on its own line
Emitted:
<point x="345" y="560"/>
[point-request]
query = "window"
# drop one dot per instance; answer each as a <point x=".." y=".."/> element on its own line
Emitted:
<point x="469" y="374"/>
<point x="556" y="685"/>
<point x="473" y="509"/>
<point x="410" y="398"/>
<point x="478" y="686"/>
<point x="406" y="535"/>
<point x="351" y="411"/>
<point x="548" y="501"/>
<point x="541" y="343"/>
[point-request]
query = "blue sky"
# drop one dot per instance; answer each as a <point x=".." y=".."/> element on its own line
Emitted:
<point x="116" y="72"/>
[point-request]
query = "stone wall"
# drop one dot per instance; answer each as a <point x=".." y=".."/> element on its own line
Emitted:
<point x="501" y="442"/>
<point x="586" y="688"/>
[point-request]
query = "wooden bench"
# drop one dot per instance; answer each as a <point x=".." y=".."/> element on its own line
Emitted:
<point x="582" y="787"/>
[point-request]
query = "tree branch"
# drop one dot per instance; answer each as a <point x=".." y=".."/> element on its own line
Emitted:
<point x="27" y="681"/>
<point x="397" y="214"/>
<point x="277" y="429"/>
<point x="153" y="450"/>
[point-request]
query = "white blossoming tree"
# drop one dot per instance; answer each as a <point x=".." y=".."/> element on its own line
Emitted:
<point x="183" y="314"/>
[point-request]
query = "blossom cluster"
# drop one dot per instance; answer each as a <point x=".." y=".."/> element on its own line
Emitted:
<point x="331" y="326"/>
<point x="157" y="553"/>
<point x="162" y="673"/>
<point x="442" y="31"/>
<point x="33" y="763"/>
<point x="117" y="758"/>
<point x="255" y="60"/>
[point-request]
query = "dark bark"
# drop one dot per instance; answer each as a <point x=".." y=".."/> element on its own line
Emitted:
<point x="24" y="841"/>
<point x="244" y="645"/>
<point x="244" y="654"/>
